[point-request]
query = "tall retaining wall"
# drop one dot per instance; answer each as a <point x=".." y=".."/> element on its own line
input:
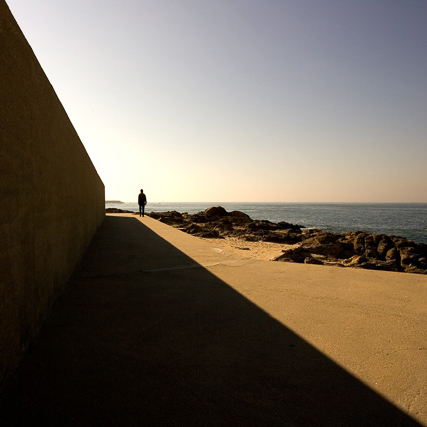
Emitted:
<point x="52" y="199"/>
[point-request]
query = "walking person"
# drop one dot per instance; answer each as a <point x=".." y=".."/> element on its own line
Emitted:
<point x="142" y="201"/>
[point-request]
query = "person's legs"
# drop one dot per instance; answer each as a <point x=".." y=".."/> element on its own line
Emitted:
<point x="141" y="209"/>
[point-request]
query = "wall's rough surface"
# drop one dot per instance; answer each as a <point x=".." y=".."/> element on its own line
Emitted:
<point x="52" y="199"/>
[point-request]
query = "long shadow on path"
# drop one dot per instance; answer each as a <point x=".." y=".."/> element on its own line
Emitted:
<point x="145" y="336"/>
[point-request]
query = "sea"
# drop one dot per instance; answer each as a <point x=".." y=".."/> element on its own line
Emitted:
<point x="407" y="220"/>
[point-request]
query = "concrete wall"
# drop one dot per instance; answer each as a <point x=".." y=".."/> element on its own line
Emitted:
<point x="52" y="199"/>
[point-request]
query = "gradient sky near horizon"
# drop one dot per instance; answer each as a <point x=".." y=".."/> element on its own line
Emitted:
<point x="242" y="100"/>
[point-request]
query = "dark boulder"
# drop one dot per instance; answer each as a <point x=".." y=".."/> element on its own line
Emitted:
<point x="215" y="211"/>
<point x="287" y="226"/>
<point x="240" y="217"/>
<point x="384" y="245"/>
<point x="293" y="255"/>
<point x="392" y="254"/>
<point x="359" y="242"/>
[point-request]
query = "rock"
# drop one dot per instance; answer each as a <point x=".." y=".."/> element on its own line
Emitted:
<point x="287" y="226"/>
<point x="371" y="246"/>
<point x="320" y="238"/>
<point x="169" y="214"/>
<point x="311" y="232"/>
<point x="170" y="218"/>
<point x="273" y="236"/>
<point x="390" y="265"/>
<point x="408" y="256"/>
<point x="353" y="249"/>
<point x="371" y="253"/>
<point x="215" y="211"/>
<point x="421" y="249"/>
<point x="346" y="244"/>
<point x="359" y="242"/>
<point x="261" y="225"/>
<point x="401" y="243"/>
<point x="323" y="244"/>
<point x="407" y="250"/>
<point x="310" y="260"/>
<point x="408" y="261"/>
<point x="251" y="238"/>
<point x="384" y="246"/>
<point x="224" y="225"/>
<point x="333" y="250"/>
<point x="361" y="261"/>
<point x="355" y="260"/>
<point x="415" y="270"/>
<point x="294" y="255"/>
<point x="240" y="216"/>
<point x="115" y="210"/>
<point x="373" y="264"/>
<point x="210" y="234"/>
<point x="287" y="237"/>
<point x="199" y="218"/>
<point x="191" y="228"/>
<point x="392" y="254"/>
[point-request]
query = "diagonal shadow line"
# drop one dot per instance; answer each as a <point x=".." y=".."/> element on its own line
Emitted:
<point x="176" y="347"/>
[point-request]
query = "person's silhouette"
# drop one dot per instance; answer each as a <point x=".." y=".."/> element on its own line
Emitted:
<point x="142" y="201"/>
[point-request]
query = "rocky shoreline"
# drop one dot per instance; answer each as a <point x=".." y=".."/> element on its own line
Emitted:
<point x="310" y="246"/>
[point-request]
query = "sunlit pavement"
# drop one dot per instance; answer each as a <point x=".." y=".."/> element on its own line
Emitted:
<point x="157" y="327"/>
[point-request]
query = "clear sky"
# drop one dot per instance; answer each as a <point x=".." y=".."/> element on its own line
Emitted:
<point x="242" y="100"/>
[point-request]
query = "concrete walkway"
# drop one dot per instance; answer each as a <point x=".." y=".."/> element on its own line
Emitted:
<point x="158" y="328"/>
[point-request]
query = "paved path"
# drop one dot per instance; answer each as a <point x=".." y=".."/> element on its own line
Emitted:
<point x="158" y="328"/>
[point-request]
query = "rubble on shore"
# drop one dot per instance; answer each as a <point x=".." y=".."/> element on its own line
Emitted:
<point x="311" y="246"/>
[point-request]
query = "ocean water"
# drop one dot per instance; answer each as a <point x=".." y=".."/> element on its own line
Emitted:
<point x="400" y="219"/>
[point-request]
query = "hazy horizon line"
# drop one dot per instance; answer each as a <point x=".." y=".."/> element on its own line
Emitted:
<point x="268" y="202"/>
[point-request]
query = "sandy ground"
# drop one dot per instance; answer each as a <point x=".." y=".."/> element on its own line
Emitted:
<point x="258" y="250"/>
